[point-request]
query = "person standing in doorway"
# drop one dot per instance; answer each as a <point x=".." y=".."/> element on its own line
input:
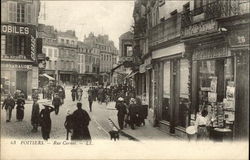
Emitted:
<point x="46" y="121"/>
<point x="35" y="115"/>
<point x="8" y="105"/>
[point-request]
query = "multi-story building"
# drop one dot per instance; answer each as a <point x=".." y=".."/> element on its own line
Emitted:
<point x="197" y="54"/>
<point x="50" y="49"/>
<point x="108" y="54"/>
<point x="19" y="67"/>
<point x="67" y="59"/>
<point x="88" y="63"/>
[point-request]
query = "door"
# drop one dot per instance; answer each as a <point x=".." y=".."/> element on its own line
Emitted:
<point x="21" y="81"/>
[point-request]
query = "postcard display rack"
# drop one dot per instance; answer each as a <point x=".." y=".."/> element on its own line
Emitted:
<point x="221" y="114"/>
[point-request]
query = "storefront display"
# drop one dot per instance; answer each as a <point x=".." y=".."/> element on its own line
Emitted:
<point x="217" y="92"/>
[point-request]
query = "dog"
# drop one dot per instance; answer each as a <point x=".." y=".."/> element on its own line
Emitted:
<point x="114" y="135"/>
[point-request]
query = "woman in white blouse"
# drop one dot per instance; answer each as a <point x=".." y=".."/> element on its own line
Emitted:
<point x="201" y="124"/>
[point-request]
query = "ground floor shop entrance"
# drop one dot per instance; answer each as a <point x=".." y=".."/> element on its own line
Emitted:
<point x="21" y="81"/>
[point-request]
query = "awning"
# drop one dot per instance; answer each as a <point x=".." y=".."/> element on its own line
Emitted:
<point x="49" y="77"/>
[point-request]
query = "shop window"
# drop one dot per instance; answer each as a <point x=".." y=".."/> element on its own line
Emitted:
<point x="184" y="96"/>
<point x="166" y="92"/>
<point x="20" y="12"/>
<point x="3" y="44"/>
<point x="217" y="90"/>
<point x="16" y="45"/>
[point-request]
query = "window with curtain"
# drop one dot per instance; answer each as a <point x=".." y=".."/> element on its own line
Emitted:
<point x="12" y="12"/>
<point x="28" y="13"/>
<point x="20" y="12"/>
<point x="3" y="44"/>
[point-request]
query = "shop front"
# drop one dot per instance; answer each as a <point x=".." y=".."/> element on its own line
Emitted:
<point x="220" y="74"/>
<point x="171" y="89"/>
<point x="16" y="76"/>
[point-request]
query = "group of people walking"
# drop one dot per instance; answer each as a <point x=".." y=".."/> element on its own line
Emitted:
<point x="76" y="93"/>
<point x="75" y="123"/>
<point x="132" y="114"/>
<point x="10" y="102"/>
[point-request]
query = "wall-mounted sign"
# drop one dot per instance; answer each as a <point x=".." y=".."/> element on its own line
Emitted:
<point x="15" y="66"/>
<point x="200" y="28"/>
<point x="142" y="68"/>
<point x="13" y="29"/>
<point x="21" y="57"/>
<point x="211" y="52"/>
<point x="239" y="37"/>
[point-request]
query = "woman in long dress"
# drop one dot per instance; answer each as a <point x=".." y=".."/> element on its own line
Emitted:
<point x="45" y="121"/>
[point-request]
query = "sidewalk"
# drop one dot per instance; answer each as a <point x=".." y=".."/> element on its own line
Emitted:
<point x="147" y="132"/>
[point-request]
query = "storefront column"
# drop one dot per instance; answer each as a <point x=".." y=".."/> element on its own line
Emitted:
<point x="242" y="95"/>
<point x="29" y="86"/>
<point x="160" y="99"/>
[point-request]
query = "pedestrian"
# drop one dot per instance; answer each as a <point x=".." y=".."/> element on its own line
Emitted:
<point x="35" y="115"/>
<point x="56" y="102"/>
<point x="79" y="93"/>
<point x="81" y="121"/>
<point x="201" y="125"/>
<point x="61" y="93"/>
<point x="20" y="107"/>
<point x="90" y="99"/>
<point x="133" y="113"/>
<point x="68" y="124"/>
<point x="122" y="111"/>
<point x="45" y="121"/>
<point x="8" y="105"/>
<point x="73" y="93"/>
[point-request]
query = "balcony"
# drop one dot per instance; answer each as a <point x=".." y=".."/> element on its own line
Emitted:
<point x="167" y="30"/>
<point x="214" y="10"/>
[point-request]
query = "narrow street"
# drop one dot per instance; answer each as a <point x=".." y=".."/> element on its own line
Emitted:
<point x="99" y="125"/>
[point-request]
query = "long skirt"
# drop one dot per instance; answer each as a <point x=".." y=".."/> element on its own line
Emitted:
<point x="20" y="113"/>
<point x="46" y="128"/>
<point x="202" y="133"/>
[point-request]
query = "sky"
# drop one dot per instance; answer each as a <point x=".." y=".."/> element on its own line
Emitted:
<point x="101" y="17"/>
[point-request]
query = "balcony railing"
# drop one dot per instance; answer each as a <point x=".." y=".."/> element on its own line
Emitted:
<point x="218" y="9"/>
<point x="165" y="31"/>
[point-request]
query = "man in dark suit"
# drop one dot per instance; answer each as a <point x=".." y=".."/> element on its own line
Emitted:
<point x="81" y="121"/>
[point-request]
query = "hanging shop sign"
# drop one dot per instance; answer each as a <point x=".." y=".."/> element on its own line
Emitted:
<point x="142" y="68"/>
<point x="211" y="52"/>
<point x="147" y="63"/>
<point x="16" y="66"/>
<point x="200" y="28"/>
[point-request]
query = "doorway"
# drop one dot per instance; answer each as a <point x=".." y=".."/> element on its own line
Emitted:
<point x="21" y="81"/>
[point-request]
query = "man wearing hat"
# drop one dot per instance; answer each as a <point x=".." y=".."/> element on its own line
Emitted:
<point x="56" y="102"/>
<point x="8" y="105"/>
<point x="35" y="115"/>
<point x="45" y="121"/>
<point x="81" y="121"/>
<point x="122" y="111"/>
